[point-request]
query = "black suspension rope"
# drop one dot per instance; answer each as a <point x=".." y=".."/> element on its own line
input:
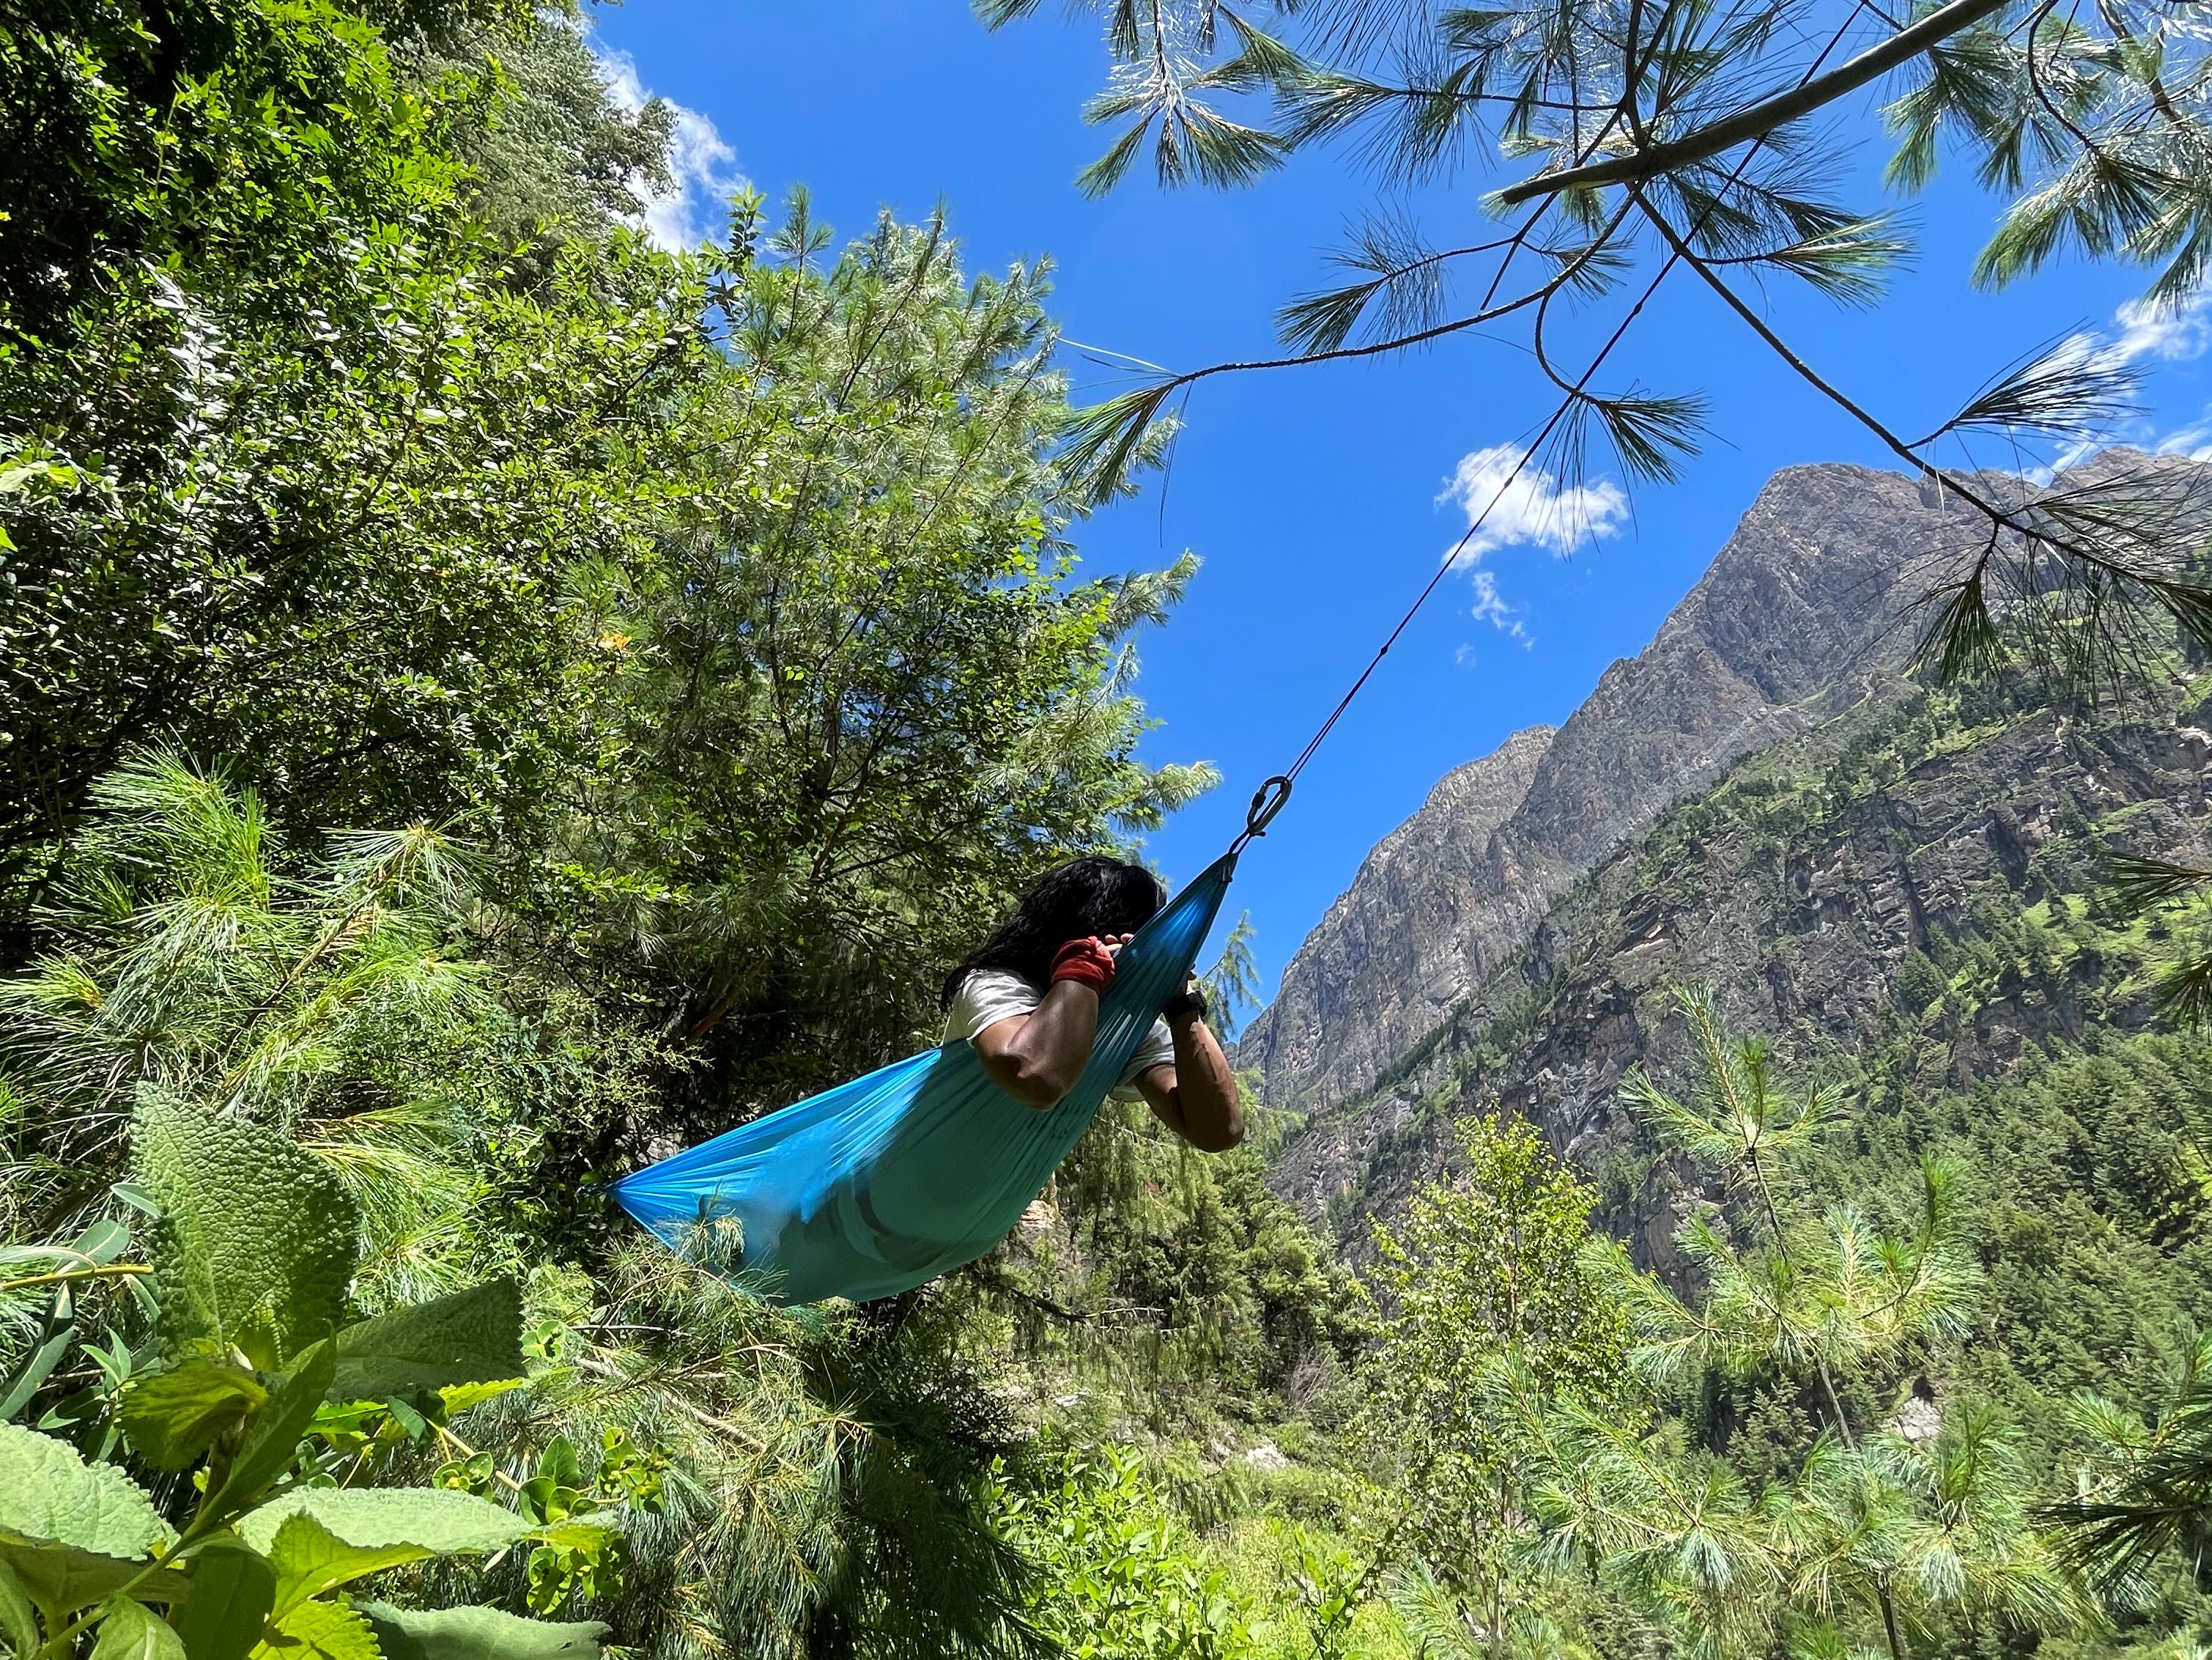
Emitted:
<point x="1274" y="794"/>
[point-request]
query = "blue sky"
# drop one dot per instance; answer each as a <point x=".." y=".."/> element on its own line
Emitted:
<point x="1319" y="498"/>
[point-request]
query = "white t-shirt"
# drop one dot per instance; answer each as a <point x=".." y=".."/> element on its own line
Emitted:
<point x="987" y="996"/>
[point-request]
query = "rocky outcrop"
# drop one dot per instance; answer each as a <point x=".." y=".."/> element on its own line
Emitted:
<point x="1800" y="891"/>
<point x="1800" y="616"/>
<point x="1391" y="958"/>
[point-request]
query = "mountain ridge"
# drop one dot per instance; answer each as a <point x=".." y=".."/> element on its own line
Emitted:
<point x="1795" y="618"/>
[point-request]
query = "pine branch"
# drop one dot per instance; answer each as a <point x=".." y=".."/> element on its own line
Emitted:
<point x="1761" y="118"/>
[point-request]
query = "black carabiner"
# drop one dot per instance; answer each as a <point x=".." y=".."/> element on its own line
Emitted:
<point x="1267" y="801"/>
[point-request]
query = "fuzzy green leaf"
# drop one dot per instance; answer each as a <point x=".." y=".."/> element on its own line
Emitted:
<point x="173" y="1417"/>
<point x="258" y="1240"/>
<point x="478" y="1634"/>
<point x="320" y="1538"/>
<point x="131" y="1631"/>
<point x="233" y="1589"/>
<point x="320" y="1631"/>
<point x="473" y="1336"/>
<point x="50" y="1495"/>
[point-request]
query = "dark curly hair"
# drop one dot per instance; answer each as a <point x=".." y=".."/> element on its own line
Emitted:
<point x="1084" y="897"/>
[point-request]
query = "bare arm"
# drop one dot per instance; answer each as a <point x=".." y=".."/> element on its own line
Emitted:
<point x="1196" y="1098"/>
<point x="1037" y="1057"/>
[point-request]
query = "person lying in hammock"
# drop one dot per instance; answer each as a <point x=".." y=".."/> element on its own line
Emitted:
<point x="1027" y="998"/>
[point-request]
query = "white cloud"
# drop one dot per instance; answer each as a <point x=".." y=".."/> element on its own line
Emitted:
<point x="1490" y="607"/>
<point x="690" y="211"/>
<point x="1508" y="502"/>
<point x="2174" y="333"/>
<point x="2193" y="441"/>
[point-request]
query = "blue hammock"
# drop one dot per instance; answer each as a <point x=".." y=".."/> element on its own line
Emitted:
<point x="885" y="1182"/>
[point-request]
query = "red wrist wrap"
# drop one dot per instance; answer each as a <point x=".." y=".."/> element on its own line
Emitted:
<point x="1085" y="960"/>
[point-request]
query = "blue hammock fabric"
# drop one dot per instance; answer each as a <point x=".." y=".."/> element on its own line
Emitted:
<point x="884" y="1183"/>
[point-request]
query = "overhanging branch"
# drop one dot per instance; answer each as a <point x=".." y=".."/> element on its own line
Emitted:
<point x="1761" y="117"/>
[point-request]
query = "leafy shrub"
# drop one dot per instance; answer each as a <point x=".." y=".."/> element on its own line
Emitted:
<point x="1120" y="1576"/>
<point x="265" y="1413"/>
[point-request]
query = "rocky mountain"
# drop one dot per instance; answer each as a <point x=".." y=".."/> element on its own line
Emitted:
<point x="1899" y="883"/>
<point x="1800" y="615"/>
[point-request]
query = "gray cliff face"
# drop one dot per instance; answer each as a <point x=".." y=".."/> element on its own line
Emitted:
<point x="1800" y="616"/>
<point x="1799" y="890"/>
<point x="1391" y="958"/>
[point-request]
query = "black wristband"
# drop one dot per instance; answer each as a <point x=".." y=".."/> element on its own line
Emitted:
<point x="1191" y="1000"/>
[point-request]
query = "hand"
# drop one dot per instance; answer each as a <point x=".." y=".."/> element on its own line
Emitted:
<point x="1114" y="942"/>
<point x="1088" y="961"/>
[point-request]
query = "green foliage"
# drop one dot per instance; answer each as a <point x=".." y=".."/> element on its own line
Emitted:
<point x="257" y="1265"/>
<point x="54" y="1498"/>
<point x="1119" y="1578"/>
<point x="233" y="1592"/>
<point x="252" y="1253"/>
<point x="197" y="965"/>
<point x="293" y="472"/>
<point x="860" y="697"/>
<point x="1491" y="1311"/>
<point x="471" y="1336"/>
<point x="2147" y="1488"/>
<point x="529" y="111"/>
<point x="476" y="1635"/>
<point x="1818" y="1294"/>
<point x="1877" y="1529"/>
<point x="173" y="1417"/>
<point x="1242" y="1300"/>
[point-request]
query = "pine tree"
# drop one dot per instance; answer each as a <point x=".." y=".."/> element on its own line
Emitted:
<point x="1876" y="1523"/>
<point x="1652" y="141"/>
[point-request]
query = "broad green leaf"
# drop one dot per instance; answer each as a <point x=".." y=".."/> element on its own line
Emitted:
<point x="27" y="1380"/>
<point x="173" y="1417"/>
<point x="18" y="1621"/>
<point x="320" y="1538"/>
<point x="472" y="1336"/>
<point x="320" y="1631"/>
<point x="104" y="1241"/>
<point x="460" y="1397"/>
<point x="61" y="1578"/>
<point x="272" y="1435"/>
<point x="131" y="1631"/>
<point x="233" y="1589"/>
<point x="559" y="1464"/>
<point x="478" y="1634"/>
<point x="50" y="1495"/>
<point x="258" y="1240"/>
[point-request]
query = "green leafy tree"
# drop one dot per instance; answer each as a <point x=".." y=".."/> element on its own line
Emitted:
<point x="291" y="470"/>
<point x="860" y="700"/>
<point x="1650" y="142"/>
<point x="1492" y="1311"/>
<point x="552" y="156"/>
